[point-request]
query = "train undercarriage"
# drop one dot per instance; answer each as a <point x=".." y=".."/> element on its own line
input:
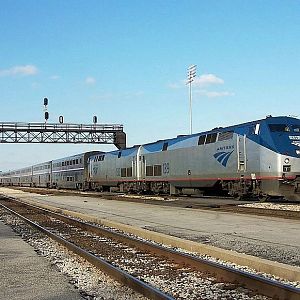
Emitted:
<point x="256" y="189"/>
<point x="250" y="189"/>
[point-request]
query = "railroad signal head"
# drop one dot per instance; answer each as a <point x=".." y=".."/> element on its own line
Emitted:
<point x="46" y="115"/>
<point x="61" y="119"/>
<point x="45" y="101"/>
<point x="95" y="119"/>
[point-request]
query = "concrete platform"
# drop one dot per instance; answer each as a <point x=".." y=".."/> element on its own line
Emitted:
<point x="24" y="275"/>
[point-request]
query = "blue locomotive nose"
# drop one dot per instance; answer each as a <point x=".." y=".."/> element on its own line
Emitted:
<point x="286" y="137"/>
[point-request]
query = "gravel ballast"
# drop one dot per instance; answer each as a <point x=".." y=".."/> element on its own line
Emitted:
<point x="274" y="206"/>
<point x="93" y="285"/>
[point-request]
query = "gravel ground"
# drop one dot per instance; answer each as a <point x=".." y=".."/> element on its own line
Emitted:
<point x="206" y="257"/>
<point x="276" y="206"/>
<point x="91" y="283"/>
<point x="210" y="258"/>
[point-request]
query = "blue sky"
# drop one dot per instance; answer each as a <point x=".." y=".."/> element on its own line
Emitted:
<point x="126" y="62"/>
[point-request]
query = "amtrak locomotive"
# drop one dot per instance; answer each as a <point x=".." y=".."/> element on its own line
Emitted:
<point x="260" y="159"/>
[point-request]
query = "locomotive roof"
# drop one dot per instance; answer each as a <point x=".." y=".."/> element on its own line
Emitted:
<point x="269" y="120"/>
<point x="78" y="155"/>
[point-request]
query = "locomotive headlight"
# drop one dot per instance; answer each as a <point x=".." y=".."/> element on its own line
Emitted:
<point x="287" y="160"/>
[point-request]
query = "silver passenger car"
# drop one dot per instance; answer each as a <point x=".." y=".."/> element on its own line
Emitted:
<point x="71" y="172"/>
<point x="41" y="175"/>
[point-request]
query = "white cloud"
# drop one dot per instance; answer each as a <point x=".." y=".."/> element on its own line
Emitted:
<point x="203" y="80"/>
<point x="207" y="79"/>
<point x="214" y="94"/>
<point x="26" y="70"/>
<point x="90" y="80"/>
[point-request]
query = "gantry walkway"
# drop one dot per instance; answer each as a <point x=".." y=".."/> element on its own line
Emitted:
<point x="11" y="132"/>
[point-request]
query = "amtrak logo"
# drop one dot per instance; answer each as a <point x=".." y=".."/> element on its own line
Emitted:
<point x="222" y="157"/>
<point x="296" y="143"/>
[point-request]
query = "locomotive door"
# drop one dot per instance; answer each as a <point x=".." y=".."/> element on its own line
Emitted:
<point x="140" y="167"/>
<point x="241" y="153"/>
<point x="143" y="167"/>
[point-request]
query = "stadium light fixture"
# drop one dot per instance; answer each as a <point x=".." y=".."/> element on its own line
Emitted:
<point x="190" y="79"/>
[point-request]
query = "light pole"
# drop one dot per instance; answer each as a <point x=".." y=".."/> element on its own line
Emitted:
<point x="191" y="76"/>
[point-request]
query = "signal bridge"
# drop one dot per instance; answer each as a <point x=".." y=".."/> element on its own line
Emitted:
<point x="63" y="133"/>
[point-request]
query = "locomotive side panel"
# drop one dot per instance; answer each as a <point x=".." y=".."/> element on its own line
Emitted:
<point x="102" y="171"/>
<point x="112" y="169"/>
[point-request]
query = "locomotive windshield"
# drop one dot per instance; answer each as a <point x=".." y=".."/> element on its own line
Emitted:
<point x="296" y="128"/>
<point x="285" y="136"/>
<point x="279" y="128"/>
<point x="284" y="128"/>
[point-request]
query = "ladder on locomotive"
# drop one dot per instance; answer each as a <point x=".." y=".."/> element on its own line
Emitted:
<point x="241" y="153"/>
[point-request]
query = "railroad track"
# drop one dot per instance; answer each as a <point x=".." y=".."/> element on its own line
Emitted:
<point x="286" y="214"/>
<point x="134" y="262"/>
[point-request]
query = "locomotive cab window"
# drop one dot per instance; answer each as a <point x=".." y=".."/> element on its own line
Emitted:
<point x="279" y="128"/>
<point x="296" y="128"/>
<point x="254" y="129"/>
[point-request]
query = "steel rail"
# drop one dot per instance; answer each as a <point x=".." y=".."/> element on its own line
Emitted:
<point x="118" y="274"/>
<point x="253" y="282"/>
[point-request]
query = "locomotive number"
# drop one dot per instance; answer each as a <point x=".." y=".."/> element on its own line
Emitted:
<point x="95" y="170"/>
<point x="166" y="168"/>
